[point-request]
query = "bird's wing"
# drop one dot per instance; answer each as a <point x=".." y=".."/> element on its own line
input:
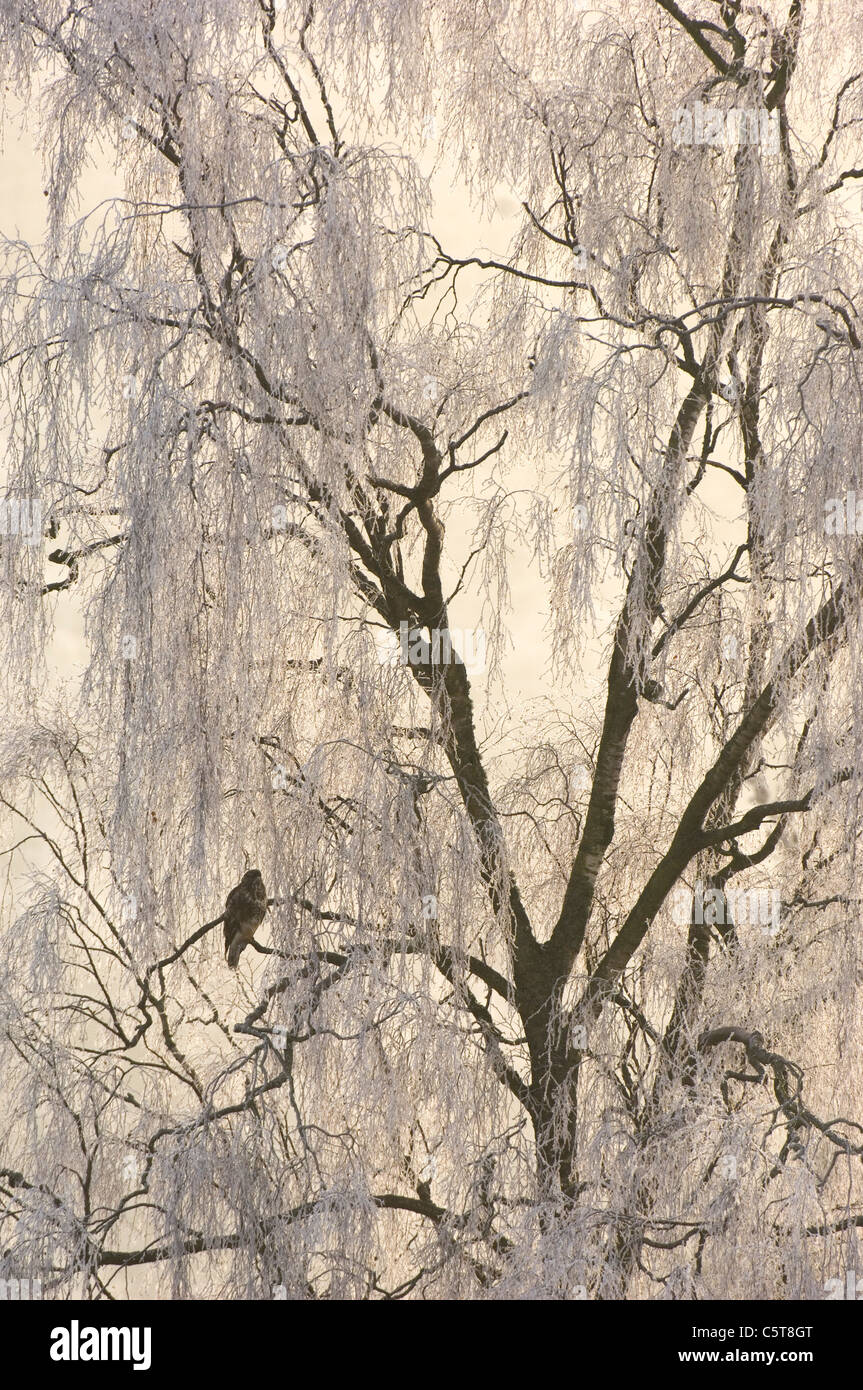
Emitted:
<point x="232" y="901"/>
<point x="230" y="930"/>
<point x="233" y="914"/>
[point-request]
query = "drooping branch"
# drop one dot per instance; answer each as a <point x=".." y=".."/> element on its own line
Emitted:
<point x="690" y="837"/>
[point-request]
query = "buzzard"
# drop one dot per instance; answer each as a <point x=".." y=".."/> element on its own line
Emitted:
<point x="245" y="907"/>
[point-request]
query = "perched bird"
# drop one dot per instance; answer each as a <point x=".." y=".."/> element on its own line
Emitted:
<point x="245" y="907"/>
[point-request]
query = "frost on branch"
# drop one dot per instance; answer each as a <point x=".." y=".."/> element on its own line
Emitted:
<point x="490" y="579"/>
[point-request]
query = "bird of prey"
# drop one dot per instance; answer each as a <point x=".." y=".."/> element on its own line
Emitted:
<point x="245" y="907"/>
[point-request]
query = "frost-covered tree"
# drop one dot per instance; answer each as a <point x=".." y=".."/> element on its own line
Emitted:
<point x="553" y="998"/>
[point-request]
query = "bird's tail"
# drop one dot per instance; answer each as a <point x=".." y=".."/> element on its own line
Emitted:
<point x="234" y="952"/>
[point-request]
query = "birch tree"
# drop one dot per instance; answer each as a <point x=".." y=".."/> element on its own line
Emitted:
<point x="553" y="999"/>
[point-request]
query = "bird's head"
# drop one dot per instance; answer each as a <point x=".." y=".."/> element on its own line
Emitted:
<point x="250" y="875"/>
